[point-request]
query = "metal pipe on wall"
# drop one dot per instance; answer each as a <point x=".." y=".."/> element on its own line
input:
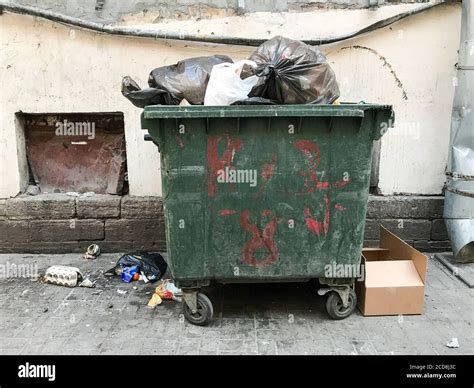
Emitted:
<point x="459" y="195"/>
<point x="139" y="32"/>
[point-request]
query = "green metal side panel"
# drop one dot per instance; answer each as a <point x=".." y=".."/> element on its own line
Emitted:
<point x="264" y="193"/>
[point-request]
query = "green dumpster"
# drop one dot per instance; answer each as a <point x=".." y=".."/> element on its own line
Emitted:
<point x="265" y="193"/>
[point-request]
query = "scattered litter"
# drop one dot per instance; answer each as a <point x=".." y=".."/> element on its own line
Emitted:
<point x="121" y="292"/>
<point x="169" y="286"/>
<point x="73" y="194"/>
<point x="110" y="305"/>
<point x="62" y="275"/>
<point x="454" y="343"/>
<point x="128" y="273"/>
<point x="154" y="301"/>
<point x="88" y="194"/>
<point x="144" y="278"/>
<point x="148" y="293"/>
<point x="87" y="283"/>
<point x="135" y="287"/>
<point x="165" y="291"/>
<point x="150" y="266"/>
<point x="32" y="190"/>
<point x="24" y="292"/>
<point x="184" y="102"/>
<point x="97" y="292"/>
<point x="45" y="310"/>
<point x="92" y="252"/>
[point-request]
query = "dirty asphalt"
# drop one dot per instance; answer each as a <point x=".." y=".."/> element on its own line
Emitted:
<point x="38" y="318"/>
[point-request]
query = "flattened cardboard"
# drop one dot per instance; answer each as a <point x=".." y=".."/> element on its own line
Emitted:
<point x="394" y="279"/>
<point x="400" y="250"/>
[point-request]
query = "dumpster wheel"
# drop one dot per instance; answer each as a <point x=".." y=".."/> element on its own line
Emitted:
<point x="335" y="306"/>
<point x="203" y="312"/>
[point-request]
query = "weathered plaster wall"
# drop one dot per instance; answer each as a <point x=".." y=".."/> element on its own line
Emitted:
<point x="48" y="67"/>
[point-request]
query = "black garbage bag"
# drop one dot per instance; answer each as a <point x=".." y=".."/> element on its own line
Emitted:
<point x="153" y="265"/>
<point x="186" y="79"/>
<point x="291" y="72"/>
<point x="141" y="97"/>
<point x="254" y="101"/>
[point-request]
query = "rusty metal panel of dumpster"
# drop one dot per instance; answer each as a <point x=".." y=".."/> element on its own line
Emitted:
<point x="256" y="193"/>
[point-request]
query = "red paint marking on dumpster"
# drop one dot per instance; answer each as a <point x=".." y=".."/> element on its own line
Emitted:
<point x="216" y="163"/>
<point x="310" y="150"/>
<point x="339" y="207"/>
<point x="315" y="226"/>
<point x="313" y="157"/>
<point x="340" y="183"/>
<point x="268" y="169"/>
<point x="226" y="212"/>
<point x="180" y="142"/>
<point x="259" y="239"/>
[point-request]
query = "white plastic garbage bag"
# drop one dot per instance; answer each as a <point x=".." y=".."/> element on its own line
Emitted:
<point x="225" y="85"/>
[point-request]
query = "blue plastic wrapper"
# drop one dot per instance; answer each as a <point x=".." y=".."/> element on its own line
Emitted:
<point x="128" y="272"/>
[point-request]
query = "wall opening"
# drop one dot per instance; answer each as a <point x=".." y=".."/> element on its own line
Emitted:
<point x="76" y="152"/>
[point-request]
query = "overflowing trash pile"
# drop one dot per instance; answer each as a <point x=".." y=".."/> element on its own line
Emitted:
<point x="144" y="267"/>
<point x="280" y="71"/>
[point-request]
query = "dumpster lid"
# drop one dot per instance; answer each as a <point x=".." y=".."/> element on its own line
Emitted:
<point x="307" y="110"/>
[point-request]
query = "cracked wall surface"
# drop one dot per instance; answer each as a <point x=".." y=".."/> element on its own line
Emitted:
<point x="114" y="11"/>
<point x="50" y="67"/>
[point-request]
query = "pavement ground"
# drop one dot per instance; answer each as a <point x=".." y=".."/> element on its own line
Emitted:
<point x="254" y="319"/>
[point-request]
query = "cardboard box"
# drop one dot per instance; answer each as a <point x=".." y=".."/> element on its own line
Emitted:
<point x="394" y="278"/>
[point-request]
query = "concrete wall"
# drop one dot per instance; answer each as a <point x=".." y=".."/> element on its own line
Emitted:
<point x="115" y="11"/>
<point x="48" y="67"/>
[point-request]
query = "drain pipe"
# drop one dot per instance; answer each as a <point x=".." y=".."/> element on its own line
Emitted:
<point x="459" y="194"/>
<point x="139" y="32"/>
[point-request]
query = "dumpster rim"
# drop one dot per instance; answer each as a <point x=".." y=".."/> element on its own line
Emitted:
<point x="243" y="111"/>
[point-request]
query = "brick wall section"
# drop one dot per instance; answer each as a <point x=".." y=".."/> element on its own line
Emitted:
<point x="57" y="223"/>
<point x="416" y="219"/>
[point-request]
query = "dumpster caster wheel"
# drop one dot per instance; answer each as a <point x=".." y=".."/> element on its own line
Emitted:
<point x="204" y="311"/>
<point x="335" y="306"/>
